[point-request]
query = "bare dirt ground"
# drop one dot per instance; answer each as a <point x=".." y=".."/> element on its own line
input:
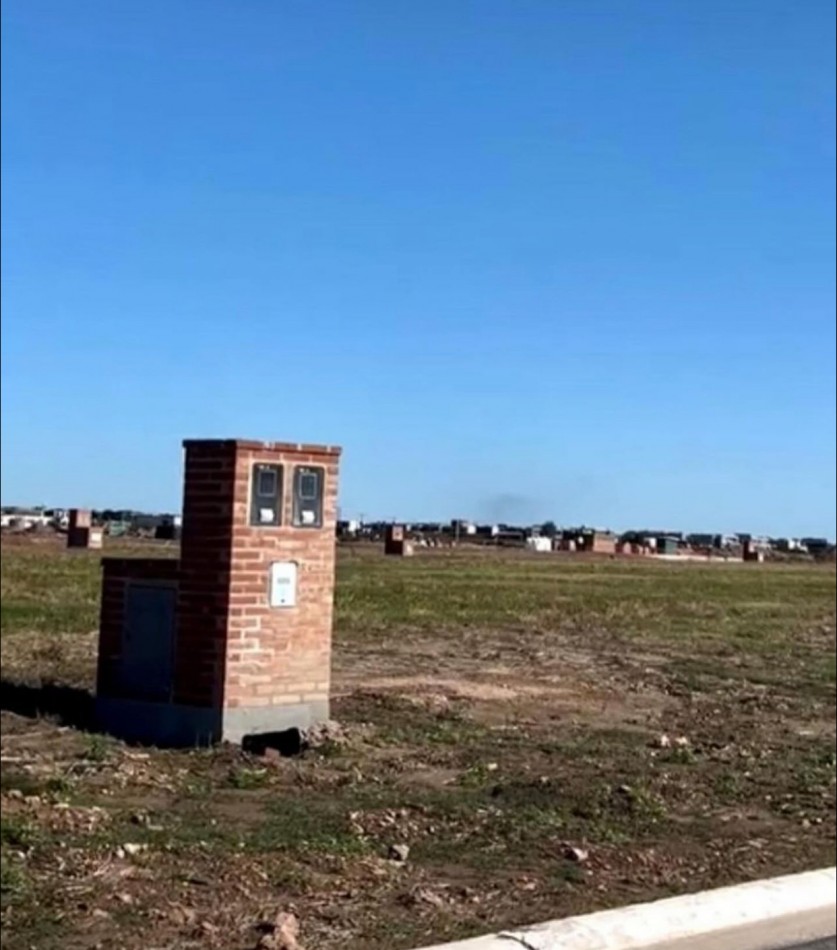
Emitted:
<point x="519" y="737"/>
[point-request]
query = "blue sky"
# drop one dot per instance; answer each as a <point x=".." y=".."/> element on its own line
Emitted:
<point x="521" y="258"/>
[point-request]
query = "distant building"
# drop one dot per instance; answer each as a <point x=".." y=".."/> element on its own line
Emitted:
<point x="588" y="541"/>
<point x="539" y="544"/>
<point x="816" y="546"/>
<point x="654" y="542"/>
<point x="790" y="545"/>
<point x="23" y="518"/>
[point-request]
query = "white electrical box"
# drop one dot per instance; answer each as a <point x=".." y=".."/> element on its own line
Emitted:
<point x="283" y="584"/>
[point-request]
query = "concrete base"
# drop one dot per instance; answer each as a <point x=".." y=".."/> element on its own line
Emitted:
<point x="252" y="720"/>
<point x="173" y="726"/>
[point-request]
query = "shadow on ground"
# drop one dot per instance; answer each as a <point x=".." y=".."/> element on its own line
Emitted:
<point x="69" y="705"/>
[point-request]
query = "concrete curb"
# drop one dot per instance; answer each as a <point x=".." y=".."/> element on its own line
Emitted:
<point x="762" y="904"/>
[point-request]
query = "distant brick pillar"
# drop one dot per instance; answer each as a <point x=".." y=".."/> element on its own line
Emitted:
<point x="395" y="542"/>
<point x="80" y="530"/>
<point x="79" y="518"/>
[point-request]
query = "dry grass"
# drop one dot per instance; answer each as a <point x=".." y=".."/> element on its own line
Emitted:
<point x="497" y="708"/>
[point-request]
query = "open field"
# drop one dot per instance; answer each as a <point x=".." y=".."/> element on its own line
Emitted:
<point x="497" y="710"/>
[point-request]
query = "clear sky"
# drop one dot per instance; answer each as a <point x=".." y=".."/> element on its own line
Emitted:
<point x="523" y="259"/>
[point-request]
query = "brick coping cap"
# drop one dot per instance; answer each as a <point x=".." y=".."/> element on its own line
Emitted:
<point x="305" y="447"/>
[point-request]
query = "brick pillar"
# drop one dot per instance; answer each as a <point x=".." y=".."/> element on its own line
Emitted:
<point x="79" y="530"/>
<point x="79" y="518"/>
<point x="263" y="666"/>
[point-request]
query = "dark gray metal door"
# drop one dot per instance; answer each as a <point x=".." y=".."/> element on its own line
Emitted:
<point x="148" y="642"/>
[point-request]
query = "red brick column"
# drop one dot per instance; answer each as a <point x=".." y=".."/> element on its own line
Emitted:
<point x="205" y="552"/>
<point x="267" y="667"/>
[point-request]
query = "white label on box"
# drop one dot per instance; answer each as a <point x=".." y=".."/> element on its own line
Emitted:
<point x="283" y="584"/>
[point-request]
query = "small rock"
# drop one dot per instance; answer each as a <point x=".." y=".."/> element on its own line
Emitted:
<point x="682" y="742"/>
<point x="132" y="850"/>
<point x="399" y="852"/>
<point x="425" y="896"/>
<point x="664" y="742"/>
<point x="283" y="934"/>
<point x="492" y="767"/>
<point x="182" y="916"/>
<point x="323" y="732"/>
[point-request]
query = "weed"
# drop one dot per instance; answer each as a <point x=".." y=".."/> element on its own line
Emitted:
<point x="59" y="785"/>
<point x="12" y="880"/>
<point x="16" y="832"/>
<point x="99" y="748"/>
<point x="681" y="755"/>
<point x="19" y="781"/>
<point x="570" y="873"/>
<point x="244" y="778"/>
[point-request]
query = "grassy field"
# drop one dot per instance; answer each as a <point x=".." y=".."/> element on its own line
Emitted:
<point x="501" y="714"/>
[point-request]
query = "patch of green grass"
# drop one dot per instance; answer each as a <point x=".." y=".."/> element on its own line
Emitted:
<point x="309" y="824"/>
<point x="730" y="785"/>
<point x="11" y="780"/>
<point x="242" y="777"/>
<point x="568" y="872"/>
<point x="99" y="748"/>
<point x="12" y="880"/>
<point x="16" y="832"/>
<point x="331" y="749"/>
<point x="403" y="723"/>
<point x="680" y="755"/>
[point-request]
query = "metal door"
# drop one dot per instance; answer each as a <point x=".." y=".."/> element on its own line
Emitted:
<point x="148" y="642"/>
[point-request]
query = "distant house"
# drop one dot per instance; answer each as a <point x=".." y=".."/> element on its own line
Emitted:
<point x="654" y="542"/>
<point x="539" y="544"/>
<point x="488" y="530"/>
<point x="23" y="518"/>
<point x="703" y="540"/>
<point x="169" y="528"/>
<point x="790" y="545"/>
<point x="461" y="528"/>
<point x="717" y="542"/>
<point x="348" y="528"/>
<point x="816" y="546"/>
<point x="588" y="540"/>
